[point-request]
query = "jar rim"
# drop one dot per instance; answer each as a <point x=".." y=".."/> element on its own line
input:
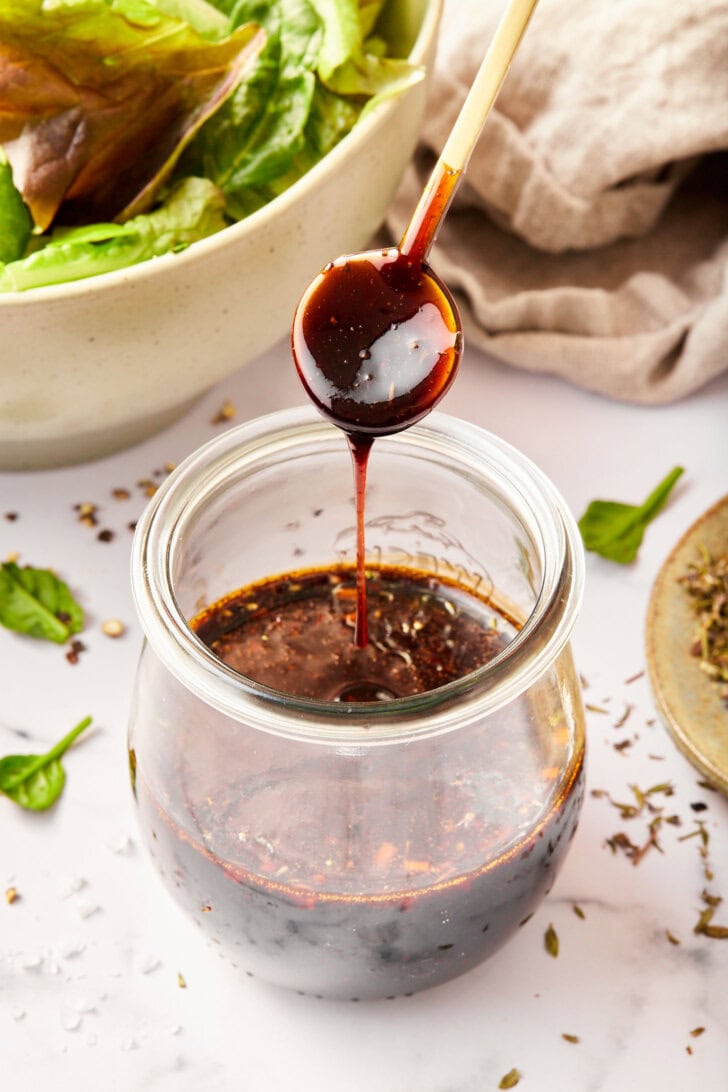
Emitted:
<point x="505" y="677"/>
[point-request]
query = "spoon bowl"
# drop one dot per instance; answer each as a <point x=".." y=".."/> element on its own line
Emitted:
<point x="376" y="340"/>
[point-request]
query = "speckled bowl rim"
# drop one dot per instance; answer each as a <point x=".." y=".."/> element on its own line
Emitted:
<point x="688" y="701"/>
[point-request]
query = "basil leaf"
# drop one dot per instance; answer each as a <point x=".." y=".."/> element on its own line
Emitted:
<point x="615" y="530"/>
<point x="35" y="602"/>
<point x="36" y="781"/>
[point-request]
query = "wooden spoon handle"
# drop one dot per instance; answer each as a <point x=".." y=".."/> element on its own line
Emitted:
<point x="445" y="177"/>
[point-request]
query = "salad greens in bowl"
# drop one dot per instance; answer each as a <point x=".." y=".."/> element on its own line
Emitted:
<point x="173" y="173"/>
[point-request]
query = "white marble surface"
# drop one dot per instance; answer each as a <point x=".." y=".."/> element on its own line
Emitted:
<point x="91" y="950"/>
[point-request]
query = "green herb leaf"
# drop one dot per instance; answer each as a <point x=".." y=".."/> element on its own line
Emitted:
<point x="615" y="530"/>
<point x="36" y="781"/>
<point x="35" y="602"/>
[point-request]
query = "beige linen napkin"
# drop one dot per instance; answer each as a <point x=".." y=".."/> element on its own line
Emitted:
<point x="590" y="236"/>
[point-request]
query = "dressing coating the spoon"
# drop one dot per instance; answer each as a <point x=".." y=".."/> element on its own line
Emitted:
<point x="376" y="336"/>
<point x="376" y="341"/>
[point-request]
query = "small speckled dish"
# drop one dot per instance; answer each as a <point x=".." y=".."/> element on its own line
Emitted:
<point x="688" y="700"/>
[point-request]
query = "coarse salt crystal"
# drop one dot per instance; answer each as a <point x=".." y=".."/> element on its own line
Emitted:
<point x="71" y="1020"/>
<point x="73" y="886"/>
<point x="87" y="909"/>
<point x="71" y="948"/>
<point x="148" y="963"/>
<point x="121" y="844"/>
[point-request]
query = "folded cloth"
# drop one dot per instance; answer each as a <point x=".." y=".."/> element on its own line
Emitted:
<point x="589" y="238"/>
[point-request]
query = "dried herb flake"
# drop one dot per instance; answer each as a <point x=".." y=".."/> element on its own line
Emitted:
<point x="706" y="582"/>
<point x="551" y="942"/>
<point x="510" y="1080"/>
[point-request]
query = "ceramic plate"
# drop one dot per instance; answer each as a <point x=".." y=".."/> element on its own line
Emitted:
<point x="688" y="700"/>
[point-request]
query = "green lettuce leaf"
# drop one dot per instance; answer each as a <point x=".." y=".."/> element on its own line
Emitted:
<point x="97" y="99"/>
<point x="255" y="137"/>
<point x="308" y="88"/>
<point x="193" y="209"/>
<point x="15" y="221"/>
<point x="277" y="104"/>
<point x="342" y="34"/>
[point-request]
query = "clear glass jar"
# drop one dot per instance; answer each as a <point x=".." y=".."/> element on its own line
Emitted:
<point x="358" y="850"/>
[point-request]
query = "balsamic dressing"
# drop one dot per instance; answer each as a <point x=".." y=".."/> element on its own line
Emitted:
<point x="377" y="341"/>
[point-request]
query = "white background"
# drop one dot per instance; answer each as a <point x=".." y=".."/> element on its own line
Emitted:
<point x="91" y="950"/>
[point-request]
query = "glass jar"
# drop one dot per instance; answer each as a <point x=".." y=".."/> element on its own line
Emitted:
<point x="358" y="849"/>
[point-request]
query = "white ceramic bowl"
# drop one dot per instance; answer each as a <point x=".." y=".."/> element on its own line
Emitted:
<point x="93" y="366"/>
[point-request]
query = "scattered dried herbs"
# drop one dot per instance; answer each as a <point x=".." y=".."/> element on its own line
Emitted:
<point x="37" y="603"/>
<point x="551" y="942"/>
<point x="75" y="650"/>
<point x="86" y="513"/>
<point x="705" y="924"/>
<point x="706" y="581"/>
<point x="623" y="719"/>
<point x="570" y="1038"/>
<point x="113" y="627"/>
<point x="225" y="413"/>
<point x="510" y="1080"/>
<point x="36" y="781"/>
<point x="615" y="530"/>
<point x="147" y="486"/>
<point x="628" y="810"/>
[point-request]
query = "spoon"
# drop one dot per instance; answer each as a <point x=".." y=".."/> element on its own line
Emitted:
<point x="376" y="336"/>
